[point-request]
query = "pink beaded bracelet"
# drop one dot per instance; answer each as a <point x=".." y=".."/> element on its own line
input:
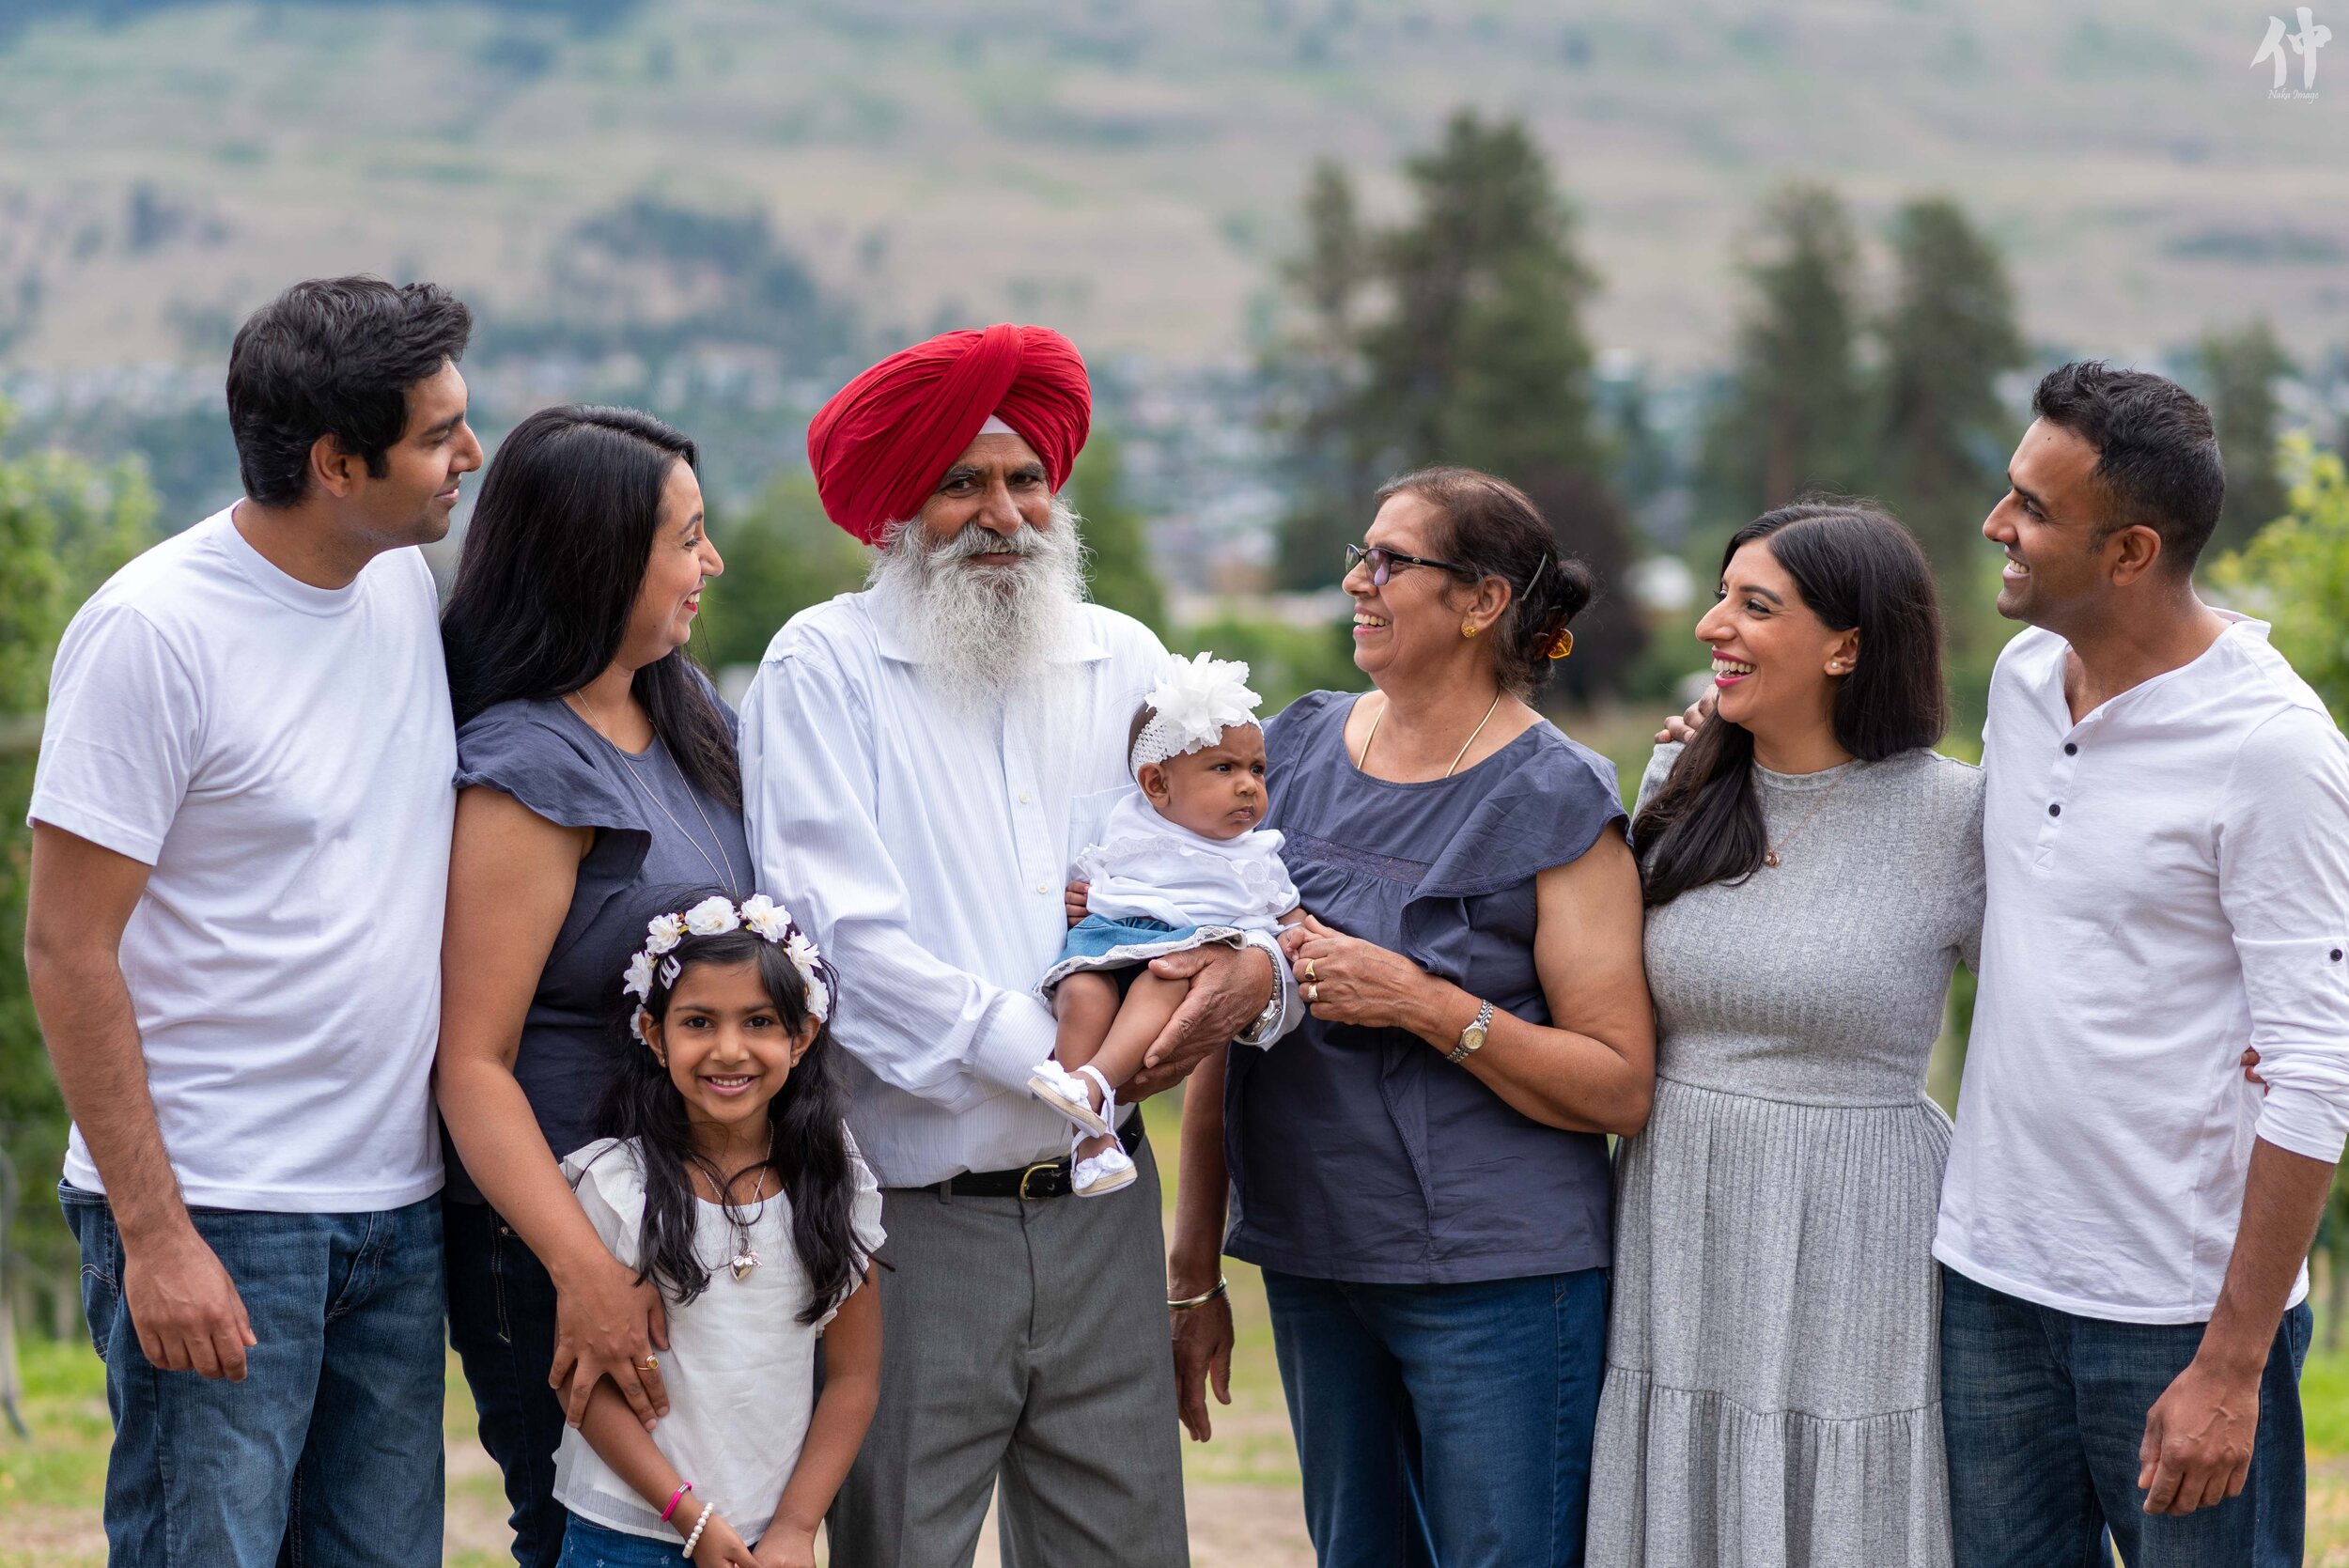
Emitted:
<point x="675" y="1498"/>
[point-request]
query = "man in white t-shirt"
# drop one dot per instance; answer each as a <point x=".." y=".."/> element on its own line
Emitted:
<point x="241" y="827"/>
<point x="2126" y="1218"/>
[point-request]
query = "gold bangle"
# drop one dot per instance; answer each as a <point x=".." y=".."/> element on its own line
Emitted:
<point x="1199" y="1300"/>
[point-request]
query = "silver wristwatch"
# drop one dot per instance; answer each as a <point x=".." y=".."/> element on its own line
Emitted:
<point x="1472" y="1037"/>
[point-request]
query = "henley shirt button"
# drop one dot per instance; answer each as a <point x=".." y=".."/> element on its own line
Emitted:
<point x="2055" y="810"/>
<point x="2071" y="749"/>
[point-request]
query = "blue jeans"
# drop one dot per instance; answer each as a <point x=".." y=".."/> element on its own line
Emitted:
<point x="327" y="1454"/>
<point x="2043" y="1412"/>
<point x="1443" y="1424"/>
<point x="501" y="1320"/>
<point x="588" y="1544"/>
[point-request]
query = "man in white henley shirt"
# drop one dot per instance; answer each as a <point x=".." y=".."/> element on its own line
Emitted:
<point x="2126" y="1216"/>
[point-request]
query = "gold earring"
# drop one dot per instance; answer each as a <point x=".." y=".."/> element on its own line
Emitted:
<point x="1468" y="629"/>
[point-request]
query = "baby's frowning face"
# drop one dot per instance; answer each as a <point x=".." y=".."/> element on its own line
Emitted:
<point x="1217" y="792"/>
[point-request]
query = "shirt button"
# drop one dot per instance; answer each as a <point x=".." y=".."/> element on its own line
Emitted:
<point x="1023" y="797"/>
<point x="2336" y="956"/>
<point x="2069" y="750"/>
<point x="1044" y="887"/>
<point x="2055" y="810"/>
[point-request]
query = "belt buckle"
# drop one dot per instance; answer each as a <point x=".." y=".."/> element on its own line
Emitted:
<point x="1026" y="1197"/>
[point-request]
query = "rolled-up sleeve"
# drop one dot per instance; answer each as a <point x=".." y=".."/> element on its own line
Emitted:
<point x="917" y="1022"/>
<point x="2284" y="879"/>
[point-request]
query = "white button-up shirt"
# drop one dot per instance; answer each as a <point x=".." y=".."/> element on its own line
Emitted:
<point x="924" y="841"/>
<point x="2168" y="882"/>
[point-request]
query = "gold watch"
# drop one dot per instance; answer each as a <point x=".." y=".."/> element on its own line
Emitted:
<point x="1472" y="1037"/>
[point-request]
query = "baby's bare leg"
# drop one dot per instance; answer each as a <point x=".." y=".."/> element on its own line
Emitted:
<point x="1148" y="1004"/>
<point x="1085" y="1003"/>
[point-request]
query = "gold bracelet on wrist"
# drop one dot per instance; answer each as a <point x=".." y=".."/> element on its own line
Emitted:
<point x="1200" y="1299"/>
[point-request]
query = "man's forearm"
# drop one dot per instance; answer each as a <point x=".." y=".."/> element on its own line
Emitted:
<point x="2283" y="1198"/>
<point x="93" y="1039"/>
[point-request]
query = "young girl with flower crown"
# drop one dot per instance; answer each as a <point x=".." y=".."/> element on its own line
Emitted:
<point x="730" y="1182"/>
<point x="1180" y="863"/>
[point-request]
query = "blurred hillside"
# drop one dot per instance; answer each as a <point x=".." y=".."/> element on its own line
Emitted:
<point x="1123" y="170"/>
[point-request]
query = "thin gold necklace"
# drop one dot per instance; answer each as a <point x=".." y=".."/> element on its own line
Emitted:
<point x="1769" y="850"/>
<point x="1380" y="717"/>
<point x="627" y="765"/>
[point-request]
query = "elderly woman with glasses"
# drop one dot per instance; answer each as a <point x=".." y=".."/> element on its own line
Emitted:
<point x="1421" y="1170"/>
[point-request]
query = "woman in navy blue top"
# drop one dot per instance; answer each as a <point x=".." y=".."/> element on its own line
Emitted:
<point x="1421" y="1170"/>
<point x="596" y="777"/>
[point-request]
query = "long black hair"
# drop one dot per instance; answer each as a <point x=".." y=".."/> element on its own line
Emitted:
<point x="807" y="1146"/>
<point x="1855" y="566"/>
<point x="554" y="558"/>
<point x="1492" y="529"/>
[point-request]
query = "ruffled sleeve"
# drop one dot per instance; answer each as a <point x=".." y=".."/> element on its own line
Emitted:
<point x="609" y="1182"/>
<point x="865" y="1223"/>
<point x="1546" y="811"/>
<point x="516" y="752"/>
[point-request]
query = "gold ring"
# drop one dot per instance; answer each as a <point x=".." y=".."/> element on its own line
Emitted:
<point x="1312" y="995"/>
<point x="650" y="1364"/>
<point x="1309" y="971"/>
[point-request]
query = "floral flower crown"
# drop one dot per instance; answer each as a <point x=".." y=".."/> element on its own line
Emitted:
<point x="715" y="916"/>
<point x="1193" y="703"/>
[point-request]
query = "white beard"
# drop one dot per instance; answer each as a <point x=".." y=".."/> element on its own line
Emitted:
<point x="980" y="631"/>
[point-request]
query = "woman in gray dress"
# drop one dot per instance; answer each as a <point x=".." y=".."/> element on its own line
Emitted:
<point x="1813" y="873"/>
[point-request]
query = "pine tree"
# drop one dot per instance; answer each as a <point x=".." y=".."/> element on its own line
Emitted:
<point x="1118" y="570"/>
<point x="1792" y="418"/>
<point x="2242" y="368"/>
<point x="1477" y="358"/>
<point x="1948" y="338"/>
<point x="1316" y="372"/>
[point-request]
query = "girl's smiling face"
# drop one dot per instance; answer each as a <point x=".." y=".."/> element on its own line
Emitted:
<point x="724" y="1044"/>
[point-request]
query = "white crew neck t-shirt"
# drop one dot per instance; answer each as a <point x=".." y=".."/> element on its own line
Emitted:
<point x="280" y="754"/>
<point x="2168" y="882"/>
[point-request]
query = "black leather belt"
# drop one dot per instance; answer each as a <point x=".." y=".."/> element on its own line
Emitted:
<point x="1045" y="1178"/>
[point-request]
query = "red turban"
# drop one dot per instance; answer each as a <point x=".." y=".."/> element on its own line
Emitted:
<point x="879" y="447"/>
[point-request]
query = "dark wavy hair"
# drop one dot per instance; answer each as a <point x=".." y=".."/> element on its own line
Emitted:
<point x="334" y="357"/>
<point x="554" y="558"/>
<point x="2158" y="459"/>
<point x="1855" y="566"/>
<point x="807" y="1147"/>
<point x="1492" y="529"/>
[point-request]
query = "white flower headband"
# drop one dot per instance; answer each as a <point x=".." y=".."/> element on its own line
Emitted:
<point x="1195" y="702"/>
<point x="712" y="917"/>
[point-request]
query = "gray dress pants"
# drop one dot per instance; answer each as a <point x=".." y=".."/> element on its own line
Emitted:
<point x="1023" y="1343"/>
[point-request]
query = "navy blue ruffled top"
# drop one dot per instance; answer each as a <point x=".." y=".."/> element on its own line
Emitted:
<point x="656" y="836"/>
<point x="1360" y="1154"/>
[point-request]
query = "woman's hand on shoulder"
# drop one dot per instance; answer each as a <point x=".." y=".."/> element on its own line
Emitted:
<point x="1682" y="727"/>
<point x="1344" y="979"/>
<point x="607" y="1324"/>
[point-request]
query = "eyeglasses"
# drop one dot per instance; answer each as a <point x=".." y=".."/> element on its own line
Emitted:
<point x="1383" y="562"/>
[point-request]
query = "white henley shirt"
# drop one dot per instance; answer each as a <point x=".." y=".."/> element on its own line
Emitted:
<point x="2168" y="882"/>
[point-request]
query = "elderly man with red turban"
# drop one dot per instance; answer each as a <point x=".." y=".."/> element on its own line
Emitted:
<point x="920" y="762"/>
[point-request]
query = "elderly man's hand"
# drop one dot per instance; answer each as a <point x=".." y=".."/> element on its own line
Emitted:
<point x="1229" y="987"/>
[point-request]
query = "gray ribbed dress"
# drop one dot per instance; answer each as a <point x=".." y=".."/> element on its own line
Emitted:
<point x="1773" y="1395"/>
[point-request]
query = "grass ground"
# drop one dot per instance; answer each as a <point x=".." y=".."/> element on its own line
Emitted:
<point x="1242" y="1487"/>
